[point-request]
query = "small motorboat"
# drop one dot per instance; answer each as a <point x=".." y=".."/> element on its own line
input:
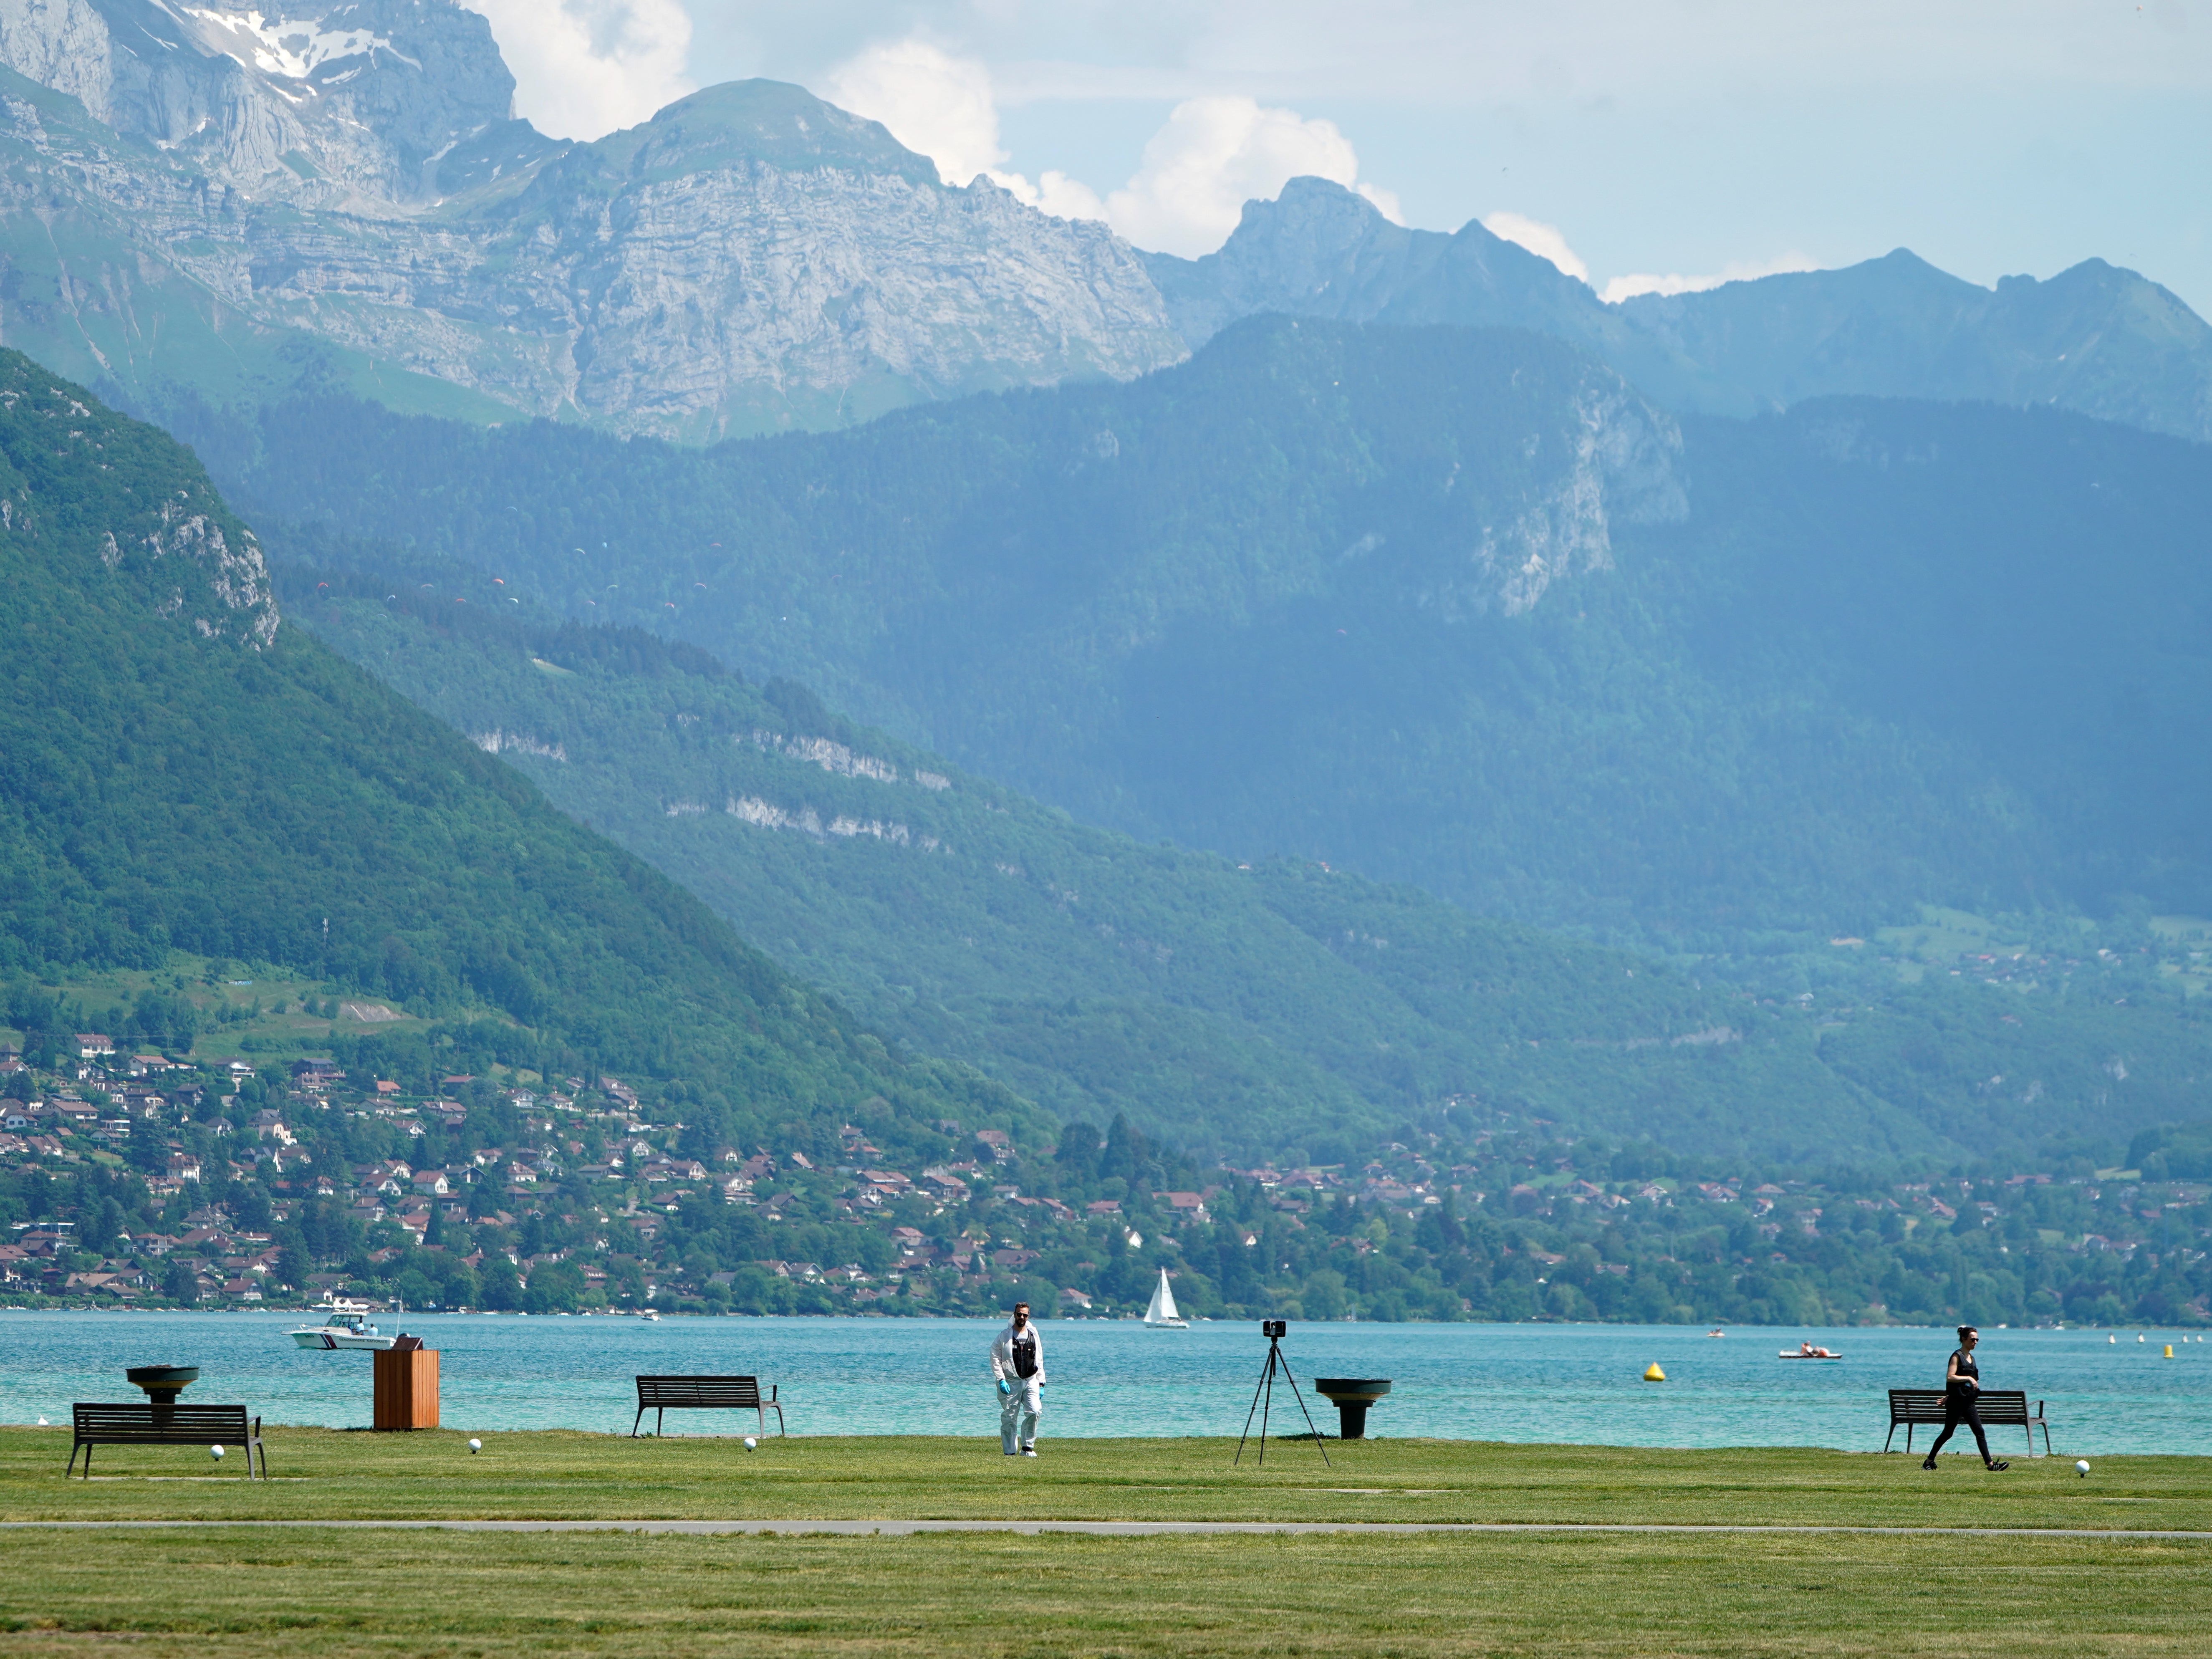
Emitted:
<point x="342" y="1330"/>
<point x="1807" y="1350"/>
<point x="1715" y="1333"/>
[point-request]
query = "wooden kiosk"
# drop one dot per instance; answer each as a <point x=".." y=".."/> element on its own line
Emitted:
<point x="407" y="1383"/>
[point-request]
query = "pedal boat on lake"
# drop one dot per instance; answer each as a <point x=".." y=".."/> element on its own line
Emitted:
<point x="1807" y="1350"/>
<point x="342" y="1330"/>
<point x="1161" y="1315"/>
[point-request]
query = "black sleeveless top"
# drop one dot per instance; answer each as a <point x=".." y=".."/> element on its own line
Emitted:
<point x="1966" y="1368"/>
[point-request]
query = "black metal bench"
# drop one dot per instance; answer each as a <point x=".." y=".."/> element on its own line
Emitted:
<point x="660" y="1395"/>
<point x="2000" y="1408"/>
<point x="143" y="1425"/>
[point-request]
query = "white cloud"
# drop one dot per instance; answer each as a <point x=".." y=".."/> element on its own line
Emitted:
<point x="1213" y="157"/>
<point x="935" y="104"/>
<point x="1055" y="193"/>
<point x="1550" y="242"/>
<point x="1738" y="271"/>
<point x="584" y="67"/>
<point x="943" y="107"/>
<point x="1545" y="241"/>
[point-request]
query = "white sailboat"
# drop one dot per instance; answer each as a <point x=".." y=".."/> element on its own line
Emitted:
<point x="1161" y="1315"/>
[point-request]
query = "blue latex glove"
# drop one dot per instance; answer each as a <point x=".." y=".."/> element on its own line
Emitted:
<point x="1004" y="1390"/>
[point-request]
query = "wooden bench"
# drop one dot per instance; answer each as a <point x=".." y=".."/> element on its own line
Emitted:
<point x="2000" y="1408"/>
<point x="146" y="1424"/>
<point x="660" y="1394"/>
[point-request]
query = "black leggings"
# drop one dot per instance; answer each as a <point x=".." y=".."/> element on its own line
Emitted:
<point x="1962" y="1407"/>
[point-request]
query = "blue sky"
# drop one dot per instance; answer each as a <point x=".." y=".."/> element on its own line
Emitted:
<point x="1673" y="140"/>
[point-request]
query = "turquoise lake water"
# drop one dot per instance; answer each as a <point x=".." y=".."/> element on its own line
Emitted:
<point x="1552" y="1382"/>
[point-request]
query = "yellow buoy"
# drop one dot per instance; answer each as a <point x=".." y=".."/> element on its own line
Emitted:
<point x="1653" y="1374"/>
<point x="2169" y="1351"/>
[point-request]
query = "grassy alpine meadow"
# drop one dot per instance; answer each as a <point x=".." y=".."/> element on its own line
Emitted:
<point x="235" y="1594"/>
<point x="321" y="1473"/>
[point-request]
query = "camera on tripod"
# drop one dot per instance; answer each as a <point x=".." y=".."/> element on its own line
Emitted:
<point x="1263" y="1397"/>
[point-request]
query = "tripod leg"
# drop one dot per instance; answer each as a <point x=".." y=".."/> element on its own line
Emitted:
<point x="1318" y="1447"/>
<point x="1267" y="1407"/>
<point x="1247" y="1435"/>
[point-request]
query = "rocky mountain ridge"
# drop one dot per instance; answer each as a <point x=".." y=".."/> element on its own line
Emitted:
<point x="2095" y="338"/>
<point x="203" y="207"/>
<point x="343" y="192"/>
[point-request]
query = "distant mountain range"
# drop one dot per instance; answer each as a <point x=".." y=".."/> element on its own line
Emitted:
<point x="205" y="209"/>
<point x="1446" y="605"/>
<point x="230" y="200"/>
<point x="2095" y="338"/>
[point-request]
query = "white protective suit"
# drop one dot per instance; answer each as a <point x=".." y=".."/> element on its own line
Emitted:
<point x="1023" y="1401"/>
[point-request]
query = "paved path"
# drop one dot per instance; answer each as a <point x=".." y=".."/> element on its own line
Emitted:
<point x="1105" y="1528"/>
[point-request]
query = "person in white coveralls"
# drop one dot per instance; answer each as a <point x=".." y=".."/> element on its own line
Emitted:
<point x="1017" y="1365"/>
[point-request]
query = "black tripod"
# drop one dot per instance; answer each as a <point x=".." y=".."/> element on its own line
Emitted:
<point x="1266" y="1392"/>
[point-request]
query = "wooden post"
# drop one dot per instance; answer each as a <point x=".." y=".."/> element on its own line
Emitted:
<point x="406" y="1384"/>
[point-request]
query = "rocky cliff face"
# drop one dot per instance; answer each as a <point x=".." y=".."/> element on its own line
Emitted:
<point x="347" y="103"/>
<point x="345" y="184"/>
<point x="1620" y="461"/>
<point x="180" y="551"/>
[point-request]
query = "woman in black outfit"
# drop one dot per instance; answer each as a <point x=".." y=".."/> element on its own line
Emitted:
<point x="1962" y="1387"/>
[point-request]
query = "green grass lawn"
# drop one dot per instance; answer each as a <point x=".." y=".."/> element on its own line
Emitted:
<point x="216" y="1593"/>
<point x="321" y="1472"/>
<point x="231" y="1595"/>
<point x="283" y="1030"/>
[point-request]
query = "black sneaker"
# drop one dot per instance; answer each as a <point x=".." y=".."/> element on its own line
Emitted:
<point x="1928" y="1461"/>
<point x="1998" y="1466"/>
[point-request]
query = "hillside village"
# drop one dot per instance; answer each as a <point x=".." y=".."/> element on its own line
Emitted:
<point x="136" y="1179"/>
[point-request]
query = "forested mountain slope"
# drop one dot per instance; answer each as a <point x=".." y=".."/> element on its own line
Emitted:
<point x="1249" y="1009"/>
<point x="1277" y="1006"/>
<point x="1449" y="607"/>
<point x="181" y="768"/>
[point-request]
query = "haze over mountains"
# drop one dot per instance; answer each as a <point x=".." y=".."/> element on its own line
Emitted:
<point x="1449" y="607"/>
<point x="1273" y="1005"/>
<point x="227" y="199"/>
